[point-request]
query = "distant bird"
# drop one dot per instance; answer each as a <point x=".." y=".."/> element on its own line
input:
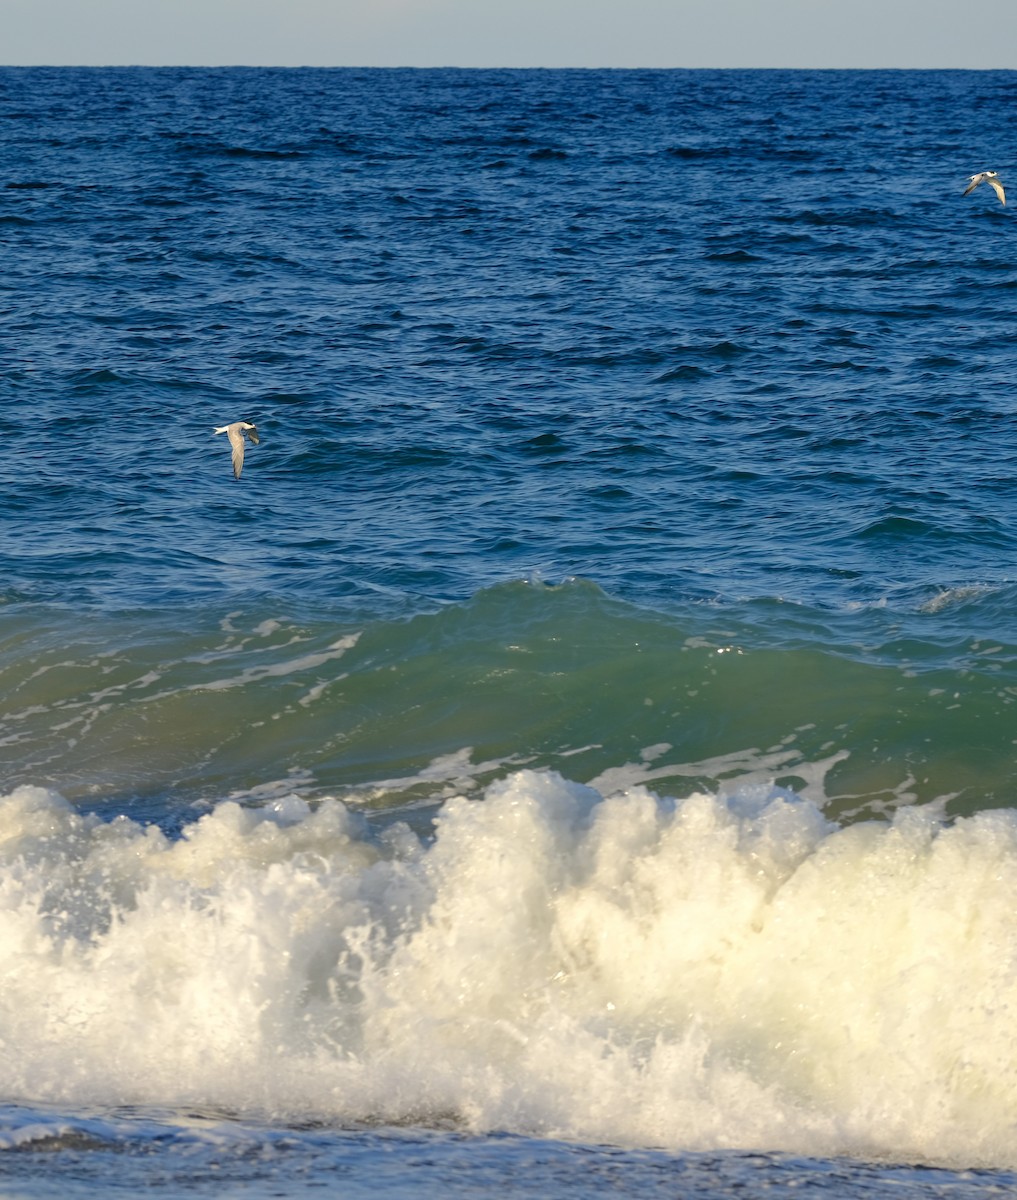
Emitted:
<point x="235" y="433"/>
<point x="992" y="179"/>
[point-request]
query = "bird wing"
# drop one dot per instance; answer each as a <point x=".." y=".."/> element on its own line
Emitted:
<point x="237" y="442"/>
<point x="975" y="181"/>
<point x="252" y="433"/>
<point x="997" y="187"/>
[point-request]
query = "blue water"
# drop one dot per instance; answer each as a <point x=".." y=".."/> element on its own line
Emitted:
<point x="636" y="460"/>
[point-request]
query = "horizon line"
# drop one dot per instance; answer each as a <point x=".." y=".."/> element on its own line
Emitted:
<point x="255" y="66"/>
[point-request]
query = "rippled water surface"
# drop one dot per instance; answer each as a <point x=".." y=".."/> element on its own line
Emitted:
<point x="578" y="752"/>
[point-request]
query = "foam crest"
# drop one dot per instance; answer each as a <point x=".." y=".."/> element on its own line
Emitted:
<point x="696" y="973"/>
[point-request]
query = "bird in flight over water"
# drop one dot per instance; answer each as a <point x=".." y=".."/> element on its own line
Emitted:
<point x="235" y="433"/>
<point x="992" y="179"/>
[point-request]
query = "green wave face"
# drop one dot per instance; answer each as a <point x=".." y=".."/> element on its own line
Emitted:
<point x="388" y="713"/>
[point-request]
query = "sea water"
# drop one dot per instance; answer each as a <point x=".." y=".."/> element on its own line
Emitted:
<point x="577" y="756"/>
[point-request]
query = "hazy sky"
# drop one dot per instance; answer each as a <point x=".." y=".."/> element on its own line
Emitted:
<point x="512" y="33"/>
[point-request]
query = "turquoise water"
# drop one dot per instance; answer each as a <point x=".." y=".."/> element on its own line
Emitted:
<point x="583" y="738"/>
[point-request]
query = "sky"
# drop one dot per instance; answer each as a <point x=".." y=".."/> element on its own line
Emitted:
<point x="511" y="33"/>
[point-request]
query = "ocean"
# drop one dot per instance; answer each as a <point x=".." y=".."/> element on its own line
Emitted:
<point x="576" y="758"/>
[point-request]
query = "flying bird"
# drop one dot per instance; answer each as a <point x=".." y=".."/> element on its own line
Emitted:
<point x="235" y="433"/>
<point x="992" y="179"/>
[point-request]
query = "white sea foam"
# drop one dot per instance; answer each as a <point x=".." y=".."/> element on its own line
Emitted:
<point x="702" y="972"/>
<point x="273" y="670"/>
<point x="444" y="777"/>
<point x="739" y="770"/>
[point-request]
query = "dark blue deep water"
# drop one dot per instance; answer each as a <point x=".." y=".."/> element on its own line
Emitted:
<point x="577" y="756"/>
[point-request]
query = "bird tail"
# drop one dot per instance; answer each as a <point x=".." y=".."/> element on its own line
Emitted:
<point x="222" y="429"/>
